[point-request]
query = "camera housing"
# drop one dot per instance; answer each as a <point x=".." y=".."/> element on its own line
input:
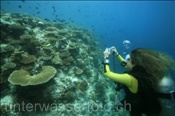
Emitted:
<point x="110" y="50"/>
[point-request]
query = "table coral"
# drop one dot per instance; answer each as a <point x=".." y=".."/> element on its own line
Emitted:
<point x="23" y="78"/>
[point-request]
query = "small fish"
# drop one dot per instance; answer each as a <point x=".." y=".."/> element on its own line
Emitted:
<point x="46" y="19"/>
<point x="19" y="6"/>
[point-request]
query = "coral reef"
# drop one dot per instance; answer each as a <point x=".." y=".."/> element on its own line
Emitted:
<point x="51" y="63"/>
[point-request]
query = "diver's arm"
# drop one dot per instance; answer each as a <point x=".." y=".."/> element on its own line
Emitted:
<point x="119" y="57"/>
<point x="121" y="78"/>
<point x="121" y="60"/>
<point x="125" y="79"/>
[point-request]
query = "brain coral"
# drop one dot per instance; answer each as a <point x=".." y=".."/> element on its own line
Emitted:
<point x="23" y="78"/>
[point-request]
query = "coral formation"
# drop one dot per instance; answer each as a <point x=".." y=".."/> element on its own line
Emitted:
<point x="83" y="85"/>
<point x="6" y="48"/>
<point x="79" y="71"/>
<point x="16" y="30"/>
<point x="23" y="78"/>
<point x="9" y="48"/>
<point x="26" y="67"/>
<point x="4" y="110"/>
<point x="7" y="66"/>
<point x="28" y="59"/>
<point x="26" y="37"/>
<point x="56" y="60"/>
<point x="34" y="50"/>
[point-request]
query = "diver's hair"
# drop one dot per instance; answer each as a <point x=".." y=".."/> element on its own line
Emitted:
<point x="156" y="63"/>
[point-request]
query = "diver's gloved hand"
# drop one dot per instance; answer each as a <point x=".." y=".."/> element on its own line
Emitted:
<point x="106" y="53"/>
<point x="114" y="50"/>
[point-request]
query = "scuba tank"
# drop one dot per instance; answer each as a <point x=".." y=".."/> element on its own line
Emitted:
<point x="166" y="96"/>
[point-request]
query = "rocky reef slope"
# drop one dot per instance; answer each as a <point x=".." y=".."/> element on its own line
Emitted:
<point x="51" y="68"/>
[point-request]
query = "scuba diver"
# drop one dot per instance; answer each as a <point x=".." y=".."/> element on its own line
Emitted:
<point x="146" y="70"/>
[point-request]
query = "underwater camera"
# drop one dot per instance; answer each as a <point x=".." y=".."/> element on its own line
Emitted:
<point x="111" y="50"/>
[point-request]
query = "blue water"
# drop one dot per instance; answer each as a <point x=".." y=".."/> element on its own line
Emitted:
<point x="149" y="24"/>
